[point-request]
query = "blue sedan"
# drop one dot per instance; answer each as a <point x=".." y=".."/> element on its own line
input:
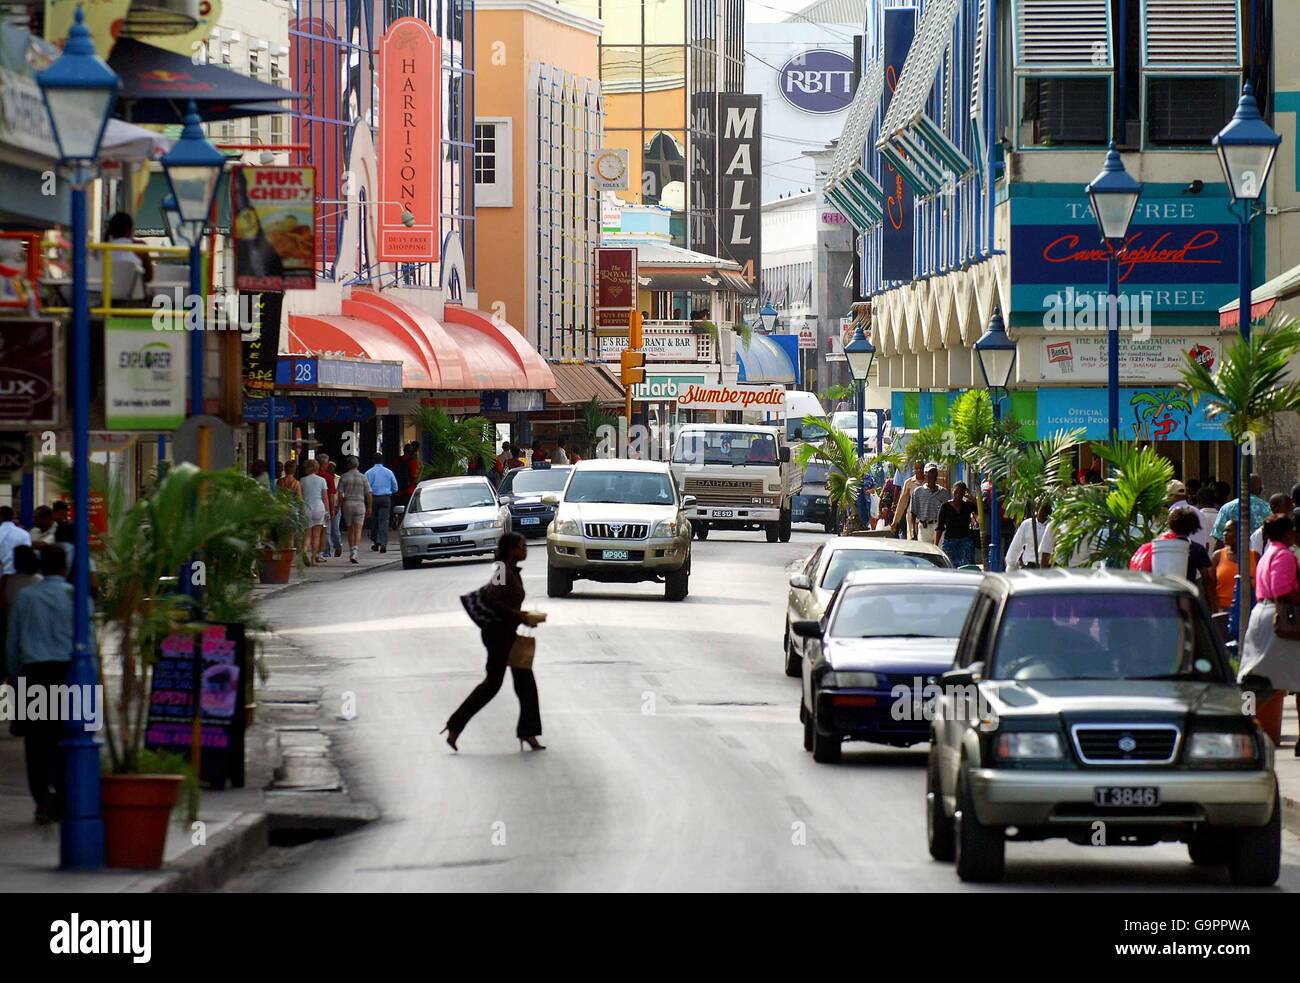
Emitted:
<point x="521" y="490"/>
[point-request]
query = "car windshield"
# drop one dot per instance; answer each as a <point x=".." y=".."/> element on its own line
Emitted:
<point x="621" y="487"/>
<point x="843" y="562"/>
<point x="848" y="420"/>
<point x="806" y="431"/>
<point x="902" y="612"/>
<point x="441" y="498"/>
<point x="737" y="447"/>
<point x="815" y="473"/>
<point x="1103" y="636"/>
<point x="534" y="481"/>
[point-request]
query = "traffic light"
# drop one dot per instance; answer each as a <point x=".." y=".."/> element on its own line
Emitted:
<point x="635" y="335"/>
<point x="631" y="367"/>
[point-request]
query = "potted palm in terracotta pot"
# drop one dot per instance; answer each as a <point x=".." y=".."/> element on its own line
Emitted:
<point x="281" y="536"/>
<point x="188" y="514"/>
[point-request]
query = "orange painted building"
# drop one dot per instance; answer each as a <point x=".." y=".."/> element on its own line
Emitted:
<point x="538" y="124"/>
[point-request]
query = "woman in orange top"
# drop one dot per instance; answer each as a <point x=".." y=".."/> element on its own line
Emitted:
<point x="1225" y="565"/>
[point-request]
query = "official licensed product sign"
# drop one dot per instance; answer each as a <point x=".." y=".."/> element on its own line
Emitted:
<point x="410" y="111"/>
<point x="144" y="375"/>
<point x="818" y="81"/>
<point x="616" y="278"/>
<point x="31" y="373"/>
<point x="273" y="210"/>
<point x="740" y="153"/>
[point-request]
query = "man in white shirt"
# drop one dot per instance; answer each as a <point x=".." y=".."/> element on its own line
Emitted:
<point x="1047" y="550"/>
<point x="10" y="536"/>
<point x="902" y="512"/>
<point x="1026" y="544"/>
<point x="1279" y="504"/>
<point x="560" y="456"/>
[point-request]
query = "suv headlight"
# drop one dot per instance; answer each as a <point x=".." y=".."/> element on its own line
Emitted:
<point x="665" y="529"/>
<point x="567" y="527"/>
<point x="851" y="680"/>
<point x="1221" y="747"/>
<point x="1029" y="746"/>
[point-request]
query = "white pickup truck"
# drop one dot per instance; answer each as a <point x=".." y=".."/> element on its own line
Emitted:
<point x="740" y="475"/>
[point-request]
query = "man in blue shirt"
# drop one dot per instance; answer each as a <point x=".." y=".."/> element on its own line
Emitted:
<point x="1259" y="510"/>
<point x="383" y="486"/>
<point x="38" y="648"/>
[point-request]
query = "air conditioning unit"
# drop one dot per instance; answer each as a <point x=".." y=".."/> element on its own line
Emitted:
<point x="146" y="17"/>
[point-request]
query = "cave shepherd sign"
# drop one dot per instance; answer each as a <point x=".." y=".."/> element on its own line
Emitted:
<point x="410" y="63"/>
<point x="742" y="166"/>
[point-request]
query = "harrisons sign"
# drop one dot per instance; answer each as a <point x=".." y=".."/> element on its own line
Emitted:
<point x="818" y="81"/>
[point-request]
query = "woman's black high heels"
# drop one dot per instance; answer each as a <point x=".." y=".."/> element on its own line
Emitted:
<point x="532" y="742"/>
<point x="451" y="737"/>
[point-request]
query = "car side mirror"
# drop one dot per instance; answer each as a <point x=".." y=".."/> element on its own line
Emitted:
<point x="689" y="501"/>
<point x="800" y="581"/>
<point x="807" y="629"/>
<point x="784" y="455"/>
<point x="398" y="512"/>
<point x="968" y="676"/>
<point x="550" y="498"/>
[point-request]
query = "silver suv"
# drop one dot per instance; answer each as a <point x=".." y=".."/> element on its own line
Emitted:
<point x="1099" y="707"/>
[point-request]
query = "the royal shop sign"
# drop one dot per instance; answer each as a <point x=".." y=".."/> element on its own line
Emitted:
<point x="616" y="278"/>
<point x="410" y="112"/>
<point x="1180" y="254"/>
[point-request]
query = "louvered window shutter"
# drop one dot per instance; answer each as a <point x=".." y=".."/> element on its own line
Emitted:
<point x="1069" y="34"/>
<point x="1191" y="34"/>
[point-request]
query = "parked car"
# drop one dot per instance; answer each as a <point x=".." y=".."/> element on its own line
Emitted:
<point x="521" y="491"/>
<point x="1097" y="703"/>
<point x="887" y="636"/>
<point x="619" y="521"/>
<point x="813" y="503"/>
<point x="451" y="517"/>
<point x="813" y="584"/>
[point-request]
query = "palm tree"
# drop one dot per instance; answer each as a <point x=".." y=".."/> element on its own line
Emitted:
<point x="594" y="418"/>
<point x="972" y="423"/>
<point x="847" y="469"/>
<point x="455" y="442"/>
<point x="835" y="394"/>
<point x="1111" y="520"/>
<point x="1027" y="474"/>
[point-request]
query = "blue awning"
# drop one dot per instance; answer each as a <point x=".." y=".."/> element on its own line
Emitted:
<point x="764" y="361"/>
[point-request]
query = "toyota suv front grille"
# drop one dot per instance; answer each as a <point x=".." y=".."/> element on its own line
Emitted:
<point x="616" y="530"/>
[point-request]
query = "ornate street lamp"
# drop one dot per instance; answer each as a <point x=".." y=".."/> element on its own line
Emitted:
<point x="997" y="357"/>
<point x="1113" y="195"/>
<point x="176" y="230"/>
<point x="79" y="90"/>
<point x="1247" y="147"/>
<point x="767" y="317"/>
<point x="860" y="353"/>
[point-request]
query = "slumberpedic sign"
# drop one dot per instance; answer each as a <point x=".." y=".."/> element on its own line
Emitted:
<point x="695" y="397"/>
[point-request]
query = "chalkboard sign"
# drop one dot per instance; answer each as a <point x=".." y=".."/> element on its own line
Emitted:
<point x="217" y="676"/>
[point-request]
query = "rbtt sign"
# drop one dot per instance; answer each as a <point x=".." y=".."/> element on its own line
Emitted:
<point x="818" y="81"/>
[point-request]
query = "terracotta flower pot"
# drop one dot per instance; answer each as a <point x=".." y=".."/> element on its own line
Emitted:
<point x="250" y="712"/>
<point x="136" y="810"/>
<point x="277" y="565"/>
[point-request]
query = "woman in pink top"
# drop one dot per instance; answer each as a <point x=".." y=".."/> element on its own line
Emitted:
<point x="1265" y="653"/>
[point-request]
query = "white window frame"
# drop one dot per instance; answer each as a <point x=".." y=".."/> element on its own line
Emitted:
<point x="500" y="193"/>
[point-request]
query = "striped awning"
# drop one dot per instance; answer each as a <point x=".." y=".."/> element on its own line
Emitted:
<point x="848" y="186"/>
<point x="577" y="383"/>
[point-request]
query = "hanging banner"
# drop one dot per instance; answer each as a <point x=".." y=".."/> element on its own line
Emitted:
<point x="273" y="210"/>
<point x="740" y="155"/>
<point x="896" y="243"/>
<point x="410" y="110"/>
<point x="31" y="373"/>
<point x="144" y="375"/>
<point x="260" y="348"/>
<point x="616" y="279"/>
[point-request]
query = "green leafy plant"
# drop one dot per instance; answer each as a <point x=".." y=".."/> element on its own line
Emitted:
<point x="835" y="394"/>
<point x="593" y="419"/>
<point x="454" y="443"/>
<point x="1109" y="521"/>
<point x="847" y="469"/>
<point x="1028" y="473"/>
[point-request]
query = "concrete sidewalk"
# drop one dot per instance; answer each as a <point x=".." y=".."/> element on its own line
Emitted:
<point x="337" y="568"/>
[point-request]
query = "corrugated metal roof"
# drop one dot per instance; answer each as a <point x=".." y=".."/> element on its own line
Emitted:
<point x="578" y="382"/>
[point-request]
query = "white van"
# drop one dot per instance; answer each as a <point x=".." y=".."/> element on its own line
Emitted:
<point x="797" y="405"/>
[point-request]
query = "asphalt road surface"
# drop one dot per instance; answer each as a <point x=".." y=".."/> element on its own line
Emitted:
<point x="674" y="761"/>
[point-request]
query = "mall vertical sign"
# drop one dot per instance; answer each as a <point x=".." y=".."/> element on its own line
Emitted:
<point x="410" y="113"/>
<point x="896" y="244"/>
<point x="740" y="155"/>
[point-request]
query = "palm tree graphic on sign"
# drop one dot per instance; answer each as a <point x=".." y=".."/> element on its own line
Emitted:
<point x="1155" y="409"/>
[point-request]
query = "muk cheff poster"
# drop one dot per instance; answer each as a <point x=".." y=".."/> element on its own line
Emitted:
<point x="274" y="218"/>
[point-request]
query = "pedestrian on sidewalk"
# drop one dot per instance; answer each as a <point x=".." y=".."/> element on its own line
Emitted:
<point x="333" y="543"/>
<point x="1026" y="544"/>
<point x="957" y="531"/>
<point x="1225" y="566"/>
<point x="259" y="473"/>
<point x="926" y="501"/>
<point x="1265" y="653"/>
<point x="315" y="494"/>
<point x="561" y="455"/>
<point x="27" y="571"/>
<point x="354" y="504"/>
<point x="287" y="481"/>
<point x="38" y="648"/>
<point x="383" y="486"/>
<point x="902" y="513"/>
<point x="11" y="535"/>
<point x="505" y="595"/>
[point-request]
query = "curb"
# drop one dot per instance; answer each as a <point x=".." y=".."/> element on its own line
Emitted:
<point x="226" y="854"/>
<point x="275" y="589"/>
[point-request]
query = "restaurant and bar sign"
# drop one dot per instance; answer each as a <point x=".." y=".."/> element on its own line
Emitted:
<point x="1180" y="254"/>
<point x="31" y="373"/>
<point x="657" y="347"/>
<point x="274" y="213"/>
<point x="410" y="62"/>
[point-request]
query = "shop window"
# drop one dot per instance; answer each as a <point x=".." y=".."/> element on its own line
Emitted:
<point x="493" y="185"/>
<point x="1185" y="111"/>
<point x="1064" y="111"/>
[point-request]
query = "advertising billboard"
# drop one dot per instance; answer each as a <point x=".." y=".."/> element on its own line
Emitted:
<point x="274" y="214"/>
<point x="740" y="157"/>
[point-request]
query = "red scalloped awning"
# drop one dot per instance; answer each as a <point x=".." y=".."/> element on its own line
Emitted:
<point x="468" y="350"/>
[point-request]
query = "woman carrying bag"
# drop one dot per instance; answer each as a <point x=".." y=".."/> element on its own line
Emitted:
<point x="1272" y="649"/>
<point x="497" y="609"/>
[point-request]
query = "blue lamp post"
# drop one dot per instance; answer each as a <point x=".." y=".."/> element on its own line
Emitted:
<point x="860" y="353"/>
<point x="193" y="168"/>
<point x="79" y="92"/>
<point x="1114" y="196"/>
<point x="1247" y="147"/>
<point x="997" y="357"/>
<point x="767" y="317"/>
